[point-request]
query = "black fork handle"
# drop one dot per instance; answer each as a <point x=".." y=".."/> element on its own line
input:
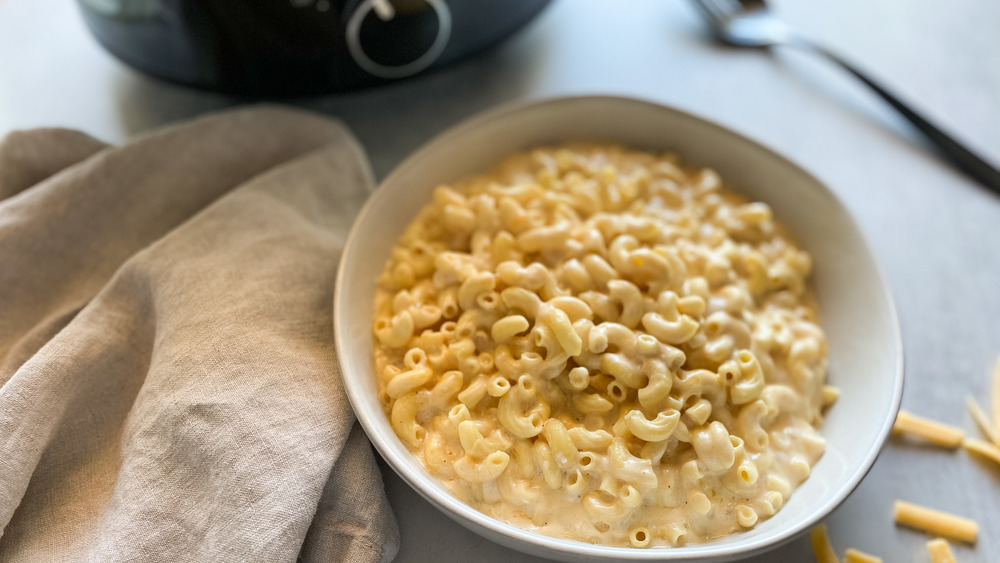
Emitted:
<point x="959" y="156"/>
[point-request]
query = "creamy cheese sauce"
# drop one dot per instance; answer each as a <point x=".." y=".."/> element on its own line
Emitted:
<point x="595" y="343"/>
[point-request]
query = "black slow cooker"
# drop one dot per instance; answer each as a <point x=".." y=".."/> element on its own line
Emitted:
<point x="299" y="47"/>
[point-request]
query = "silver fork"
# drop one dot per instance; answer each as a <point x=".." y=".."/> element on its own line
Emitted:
<point x="749" y="23"/>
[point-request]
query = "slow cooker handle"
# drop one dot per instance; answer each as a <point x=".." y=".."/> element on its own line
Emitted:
<point x="400" y="71"/>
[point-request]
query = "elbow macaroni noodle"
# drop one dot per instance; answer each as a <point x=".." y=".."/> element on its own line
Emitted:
<point x="596" y="344"/>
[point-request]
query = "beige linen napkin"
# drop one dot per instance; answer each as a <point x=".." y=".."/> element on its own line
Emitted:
<point x="170" y="390"/>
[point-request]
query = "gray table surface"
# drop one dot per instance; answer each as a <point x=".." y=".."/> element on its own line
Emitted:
<point x="936" y="233"/>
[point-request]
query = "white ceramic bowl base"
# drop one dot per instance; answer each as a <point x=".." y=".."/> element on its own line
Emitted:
<point x="856" y="309"/>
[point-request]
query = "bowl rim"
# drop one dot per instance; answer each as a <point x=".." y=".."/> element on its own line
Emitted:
<point x="463" y="513"/>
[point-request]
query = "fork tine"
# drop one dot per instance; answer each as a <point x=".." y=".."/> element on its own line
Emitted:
<point x="729" y="8"/>
<point x="708" y="10"/>
<point x="701" y="8"/>
<point x="718" y="11"/>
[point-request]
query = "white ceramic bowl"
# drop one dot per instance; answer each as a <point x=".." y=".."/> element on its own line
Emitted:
<point x="856" y="308"/>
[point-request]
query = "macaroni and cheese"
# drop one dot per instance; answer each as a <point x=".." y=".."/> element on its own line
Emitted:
<point x="595" y="343"/>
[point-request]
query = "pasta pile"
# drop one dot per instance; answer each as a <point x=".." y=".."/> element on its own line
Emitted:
<point x="595" y="343"/>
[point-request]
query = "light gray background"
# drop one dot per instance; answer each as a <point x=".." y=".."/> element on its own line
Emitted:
<point x="936" y="233"/>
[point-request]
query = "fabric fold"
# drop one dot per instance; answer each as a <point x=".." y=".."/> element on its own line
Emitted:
<point x="170" y="390"/>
